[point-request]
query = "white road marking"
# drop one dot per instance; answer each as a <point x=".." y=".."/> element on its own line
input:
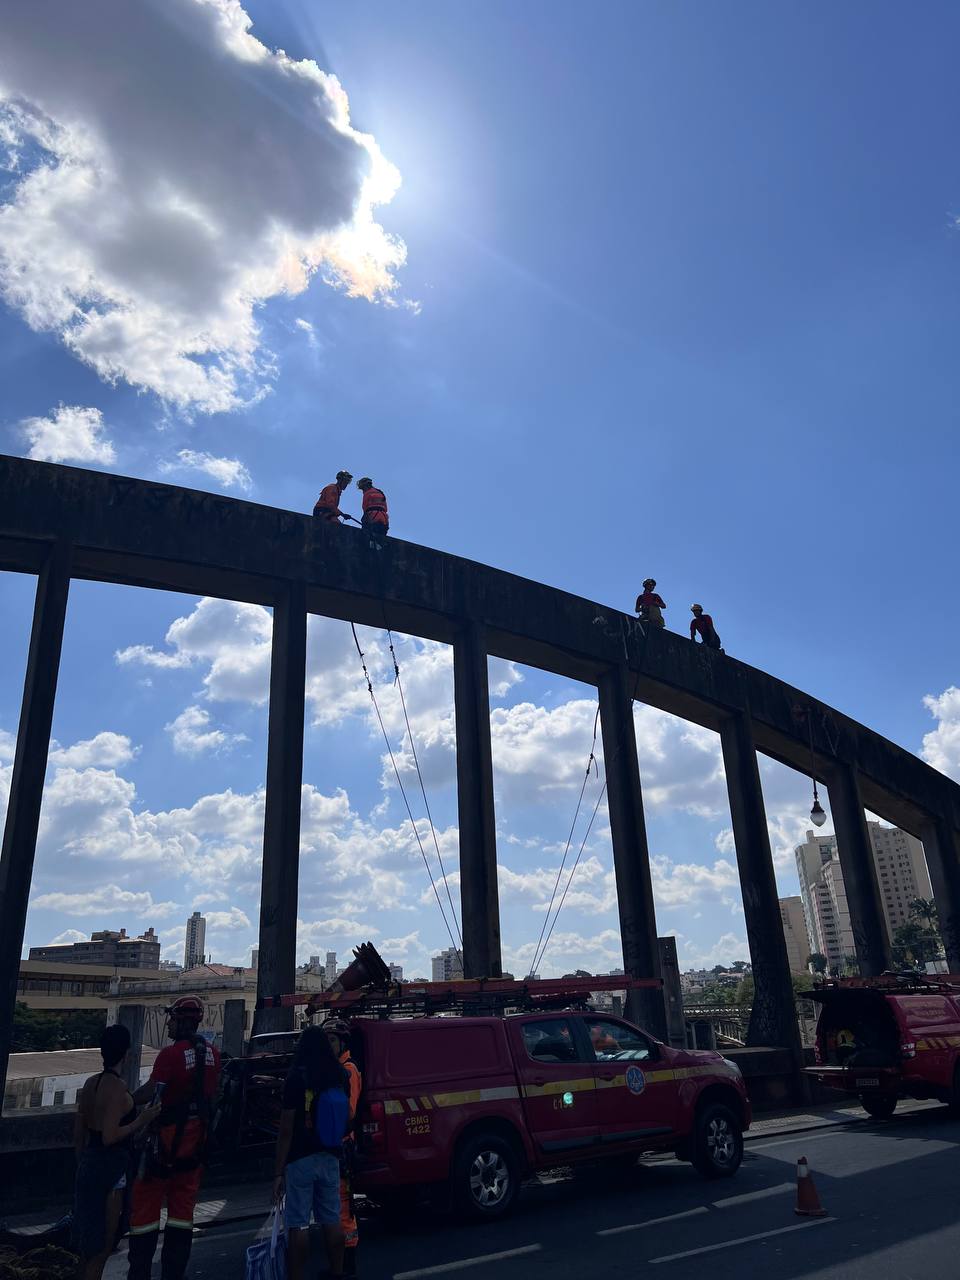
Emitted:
<point x="729" y="1201"/>
<point x="728" y="1244"/>
<point x="654" y="1222"/>
<point x="800" y="1140"/>
<point x="468" y="1262"/>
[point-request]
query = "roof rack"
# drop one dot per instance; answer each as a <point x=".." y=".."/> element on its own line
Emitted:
<point x="472" y="997"/>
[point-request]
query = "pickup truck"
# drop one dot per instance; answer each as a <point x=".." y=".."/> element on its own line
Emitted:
<point x="882" y="1039"/>
<point x="474" y="1105"/>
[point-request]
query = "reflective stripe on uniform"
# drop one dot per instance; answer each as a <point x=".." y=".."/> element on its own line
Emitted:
<point x="145" y="1229"/>
<point x="180" y="1222"/>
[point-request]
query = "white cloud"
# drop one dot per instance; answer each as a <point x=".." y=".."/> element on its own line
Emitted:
<point x="229" y="473"/>
<point x="68" y="935"/>
<point x="107" y="898"/>
<point x="941" y="746"/>
<point x="306" y="327"/>
<point x="69" y="434"/>
<point x="151" y="212"/>
<point x="232" y="919"/>
<point x="105" y="751"/>
<point x="192" y="734"/>
<point x="726" y="950"/>
<point x="231" y="639"/>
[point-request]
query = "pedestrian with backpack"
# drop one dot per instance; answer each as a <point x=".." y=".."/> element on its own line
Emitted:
<point x="314" y="1120"/>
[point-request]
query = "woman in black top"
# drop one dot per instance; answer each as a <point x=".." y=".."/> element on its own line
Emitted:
<point x="308" y="1174"/>
<point x="106" y="1121"/>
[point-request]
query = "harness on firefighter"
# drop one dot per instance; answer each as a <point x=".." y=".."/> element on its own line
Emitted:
<point x="162" y="1163"/>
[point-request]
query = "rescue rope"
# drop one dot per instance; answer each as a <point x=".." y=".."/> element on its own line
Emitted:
<point x="608" y="764"/>
<point x="556" y="885"/>
<point x="426" y="803"/>
<point x="573" y="869"/>
<point x="413" y="823"/>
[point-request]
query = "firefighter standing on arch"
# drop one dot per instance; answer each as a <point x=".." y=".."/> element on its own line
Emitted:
<point x="189" y="1070"/>
<point x="376" y="519"/>
<point x="338" y="1033"/>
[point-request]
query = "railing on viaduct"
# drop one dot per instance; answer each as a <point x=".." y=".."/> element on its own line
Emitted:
<point x="61" y="523"/>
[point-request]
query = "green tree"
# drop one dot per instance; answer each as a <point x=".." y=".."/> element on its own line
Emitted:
<point x="739" y="966"/>
<point x="924" y="911"/>
<point x="817" y="961"/>
<point x="850" y="966"/>
<point x="912" y="944"/>
<point x="39" y="1031"/>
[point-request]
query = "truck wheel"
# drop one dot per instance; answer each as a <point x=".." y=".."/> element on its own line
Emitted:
<point x="717" y="1142"/>
<point x="879" y="1105"/>
<point x="485" y="1178"/>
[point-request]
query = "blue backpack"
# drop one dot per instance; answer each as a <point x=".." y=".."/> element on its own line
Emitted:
<point x="329" y="1112"/>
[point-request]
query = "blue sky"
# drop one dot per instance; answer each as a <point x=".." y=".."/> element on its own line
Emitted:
<point x="678" y="297"/>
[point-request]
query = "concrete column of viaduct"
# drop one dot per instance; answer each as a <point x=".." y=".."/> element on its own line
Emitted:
<point x="61" y="523"/>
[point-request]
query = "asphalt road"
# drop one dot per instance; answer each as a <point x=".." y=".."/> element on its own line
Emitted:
<point x="890" y="1190"/>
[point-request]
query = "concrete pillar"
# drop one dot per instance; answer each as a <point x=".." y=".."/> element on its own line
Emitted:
<point x="773" y="1019"/>
<point x="672" y="992"/>
<point x="277" y="965"/>
<point x="133" y="1016"/>
<point x="479" y="895"/>
<point x="631" y="858"/>
<point x="941" y="848"/>
<point x="234" y="1013"/>
<point x="859" y="871"/>
<point x="26" y="784"/>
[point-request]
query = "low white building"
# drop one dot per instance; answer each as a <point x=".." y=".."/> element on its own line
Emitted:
<point x="54" y="1079"/>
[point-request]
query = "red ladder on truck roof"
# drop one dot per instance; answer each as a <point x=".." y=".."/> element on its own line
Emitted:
<point x="475" y="997"/>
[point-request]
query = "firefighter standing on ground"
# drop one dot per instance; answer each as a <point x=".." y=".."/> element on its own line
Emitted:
<point x="327" y="507"/>
<point x="173" y="1164"/>
<point x="376" y="519"/>
<point x="338" y="1033"/>
<point x="702" y="622"/>
<point x="649" y="604"/>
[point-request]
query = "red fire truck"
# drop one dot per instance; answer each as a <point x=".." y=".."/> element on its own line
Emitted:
<point x="471" y="1086"/>
<point x="895" y="1036"/>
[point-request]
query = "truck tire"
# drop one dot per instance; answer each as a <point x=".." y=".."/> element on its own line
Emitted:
<point x="717" y="1142"/>
<point x="485" y="1178"/>
<point x="879" y="1105"/>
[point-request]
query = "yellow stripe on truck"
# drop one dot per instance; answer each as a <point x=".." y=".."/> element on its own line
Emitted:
<point x="580" y="1084"/>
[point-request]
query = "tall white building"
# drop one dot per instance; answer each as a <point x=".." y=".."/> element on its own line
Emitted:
<point x="901" y="870"/>
<point x="396" y="972"/>
<point x="330" y="969"/>
<point x="901" y="873"/>
<point x="193" y="948"/>
<point x="447" y="966"/>
<point x="794" y="933"/>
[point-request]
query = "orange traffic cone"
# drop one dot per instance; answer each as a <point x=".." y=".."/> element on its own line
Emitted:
<point x="808" y="1202"/>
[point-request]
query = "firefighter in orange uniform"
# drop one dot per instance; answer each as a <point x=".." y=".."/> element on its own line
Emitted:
<point x="189" y="1070"/>
<point x="339" y="1033"/>
<point x="376" y="519"/>
<point x="327" y="507"/>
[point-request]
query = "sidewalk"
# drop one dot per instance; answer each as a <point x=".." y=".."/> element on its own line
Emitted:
<point x="248" y="1201"/>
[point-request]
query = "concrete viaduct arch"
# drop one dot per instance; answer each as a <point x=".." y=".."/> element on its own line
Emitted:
<point x="61" y="523"/>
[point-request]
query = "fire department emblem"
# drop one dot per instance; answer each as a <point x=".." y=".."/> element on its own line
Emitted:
<point x="635" y="1081"/>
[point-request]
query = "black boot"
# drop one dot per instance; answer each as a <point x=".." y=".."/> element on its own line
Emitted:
<point x="176" y="1252"/>
<point x="140" y="1253"/>
<point x="350" y="1261"/>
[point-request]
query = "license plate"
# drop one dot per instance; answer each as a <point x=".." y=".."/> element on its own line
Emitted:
<point x="868" y="1082"/>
